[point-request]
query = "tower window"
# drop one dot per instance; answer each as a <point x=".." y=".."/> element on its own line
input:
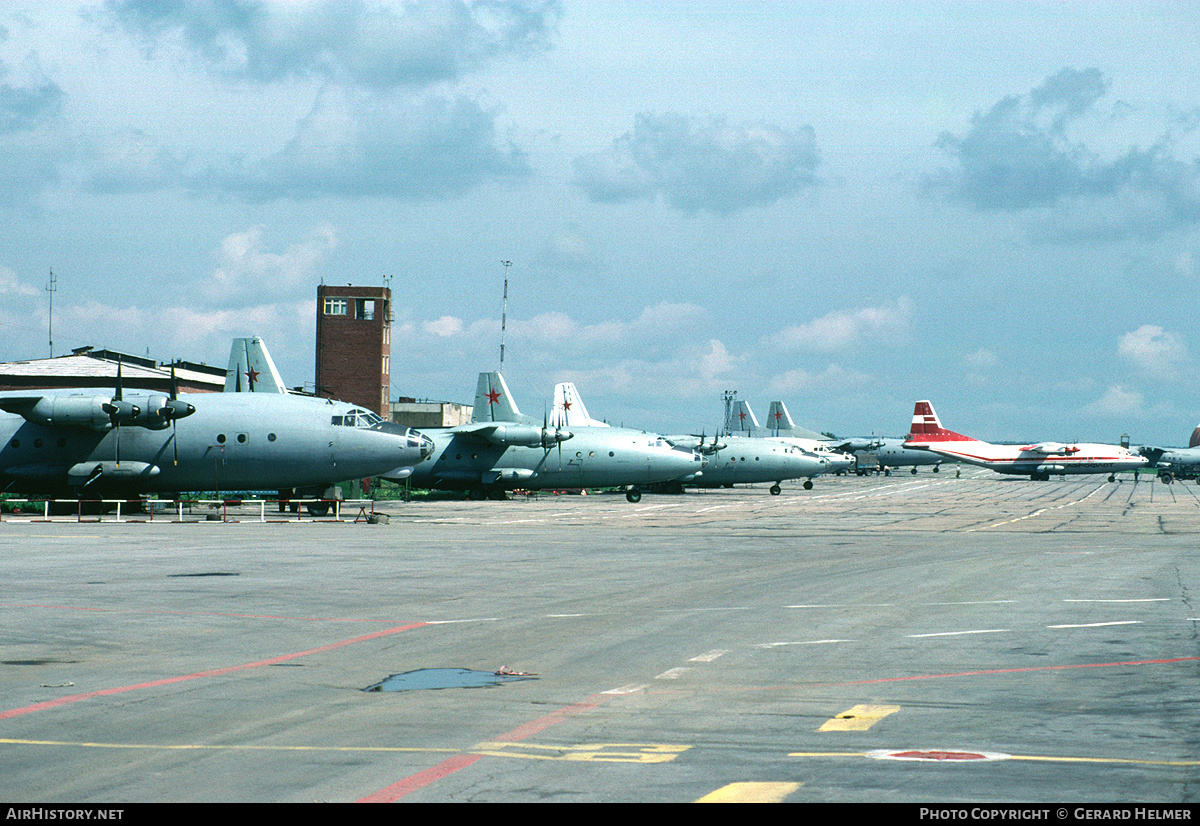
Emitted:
<point x="336" y="306"/>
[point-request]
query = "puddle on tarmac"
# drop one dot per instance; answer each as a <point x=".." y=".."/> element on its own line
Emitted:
<point x="426" y="678"/>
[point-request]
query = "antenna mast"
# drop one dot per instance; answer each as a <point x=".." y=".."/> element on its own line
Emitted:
<point x="52" y="288"/>
<point x="504" y="313"/>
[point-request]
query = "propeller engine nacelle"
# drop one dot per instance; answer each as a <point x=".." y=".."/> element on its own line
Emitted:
<point x="104" y="413"/>
<point x="528" y="436"/>
<point x="161" y="411"/>
<point x="93" y="412"/>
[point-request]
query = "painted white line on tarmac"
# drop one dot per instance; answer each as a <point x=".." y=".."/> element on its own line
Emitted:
<point x="960" y="633"/>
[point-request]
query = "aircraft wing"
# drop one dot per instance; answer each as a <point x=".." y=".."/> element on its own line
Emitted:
<point x="1051" y="448"/>
<point x="21" y="405"/>
<point x="512" y="434"/>
<point x="60" y="410"/>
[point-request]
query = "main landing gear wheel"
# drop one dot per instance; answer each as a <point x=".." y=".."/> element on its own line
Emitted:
<point x="633" y="495"/>
<point x="775" y="489"/>
<point x="808" y="484"/>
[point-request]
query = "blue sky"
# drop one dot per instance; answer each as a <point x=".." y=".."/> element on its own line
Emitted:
<point x="994" y="206"/>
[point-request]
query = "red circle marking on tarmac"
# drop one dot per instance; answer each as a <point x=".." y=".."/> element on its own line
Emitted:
<point x="938" y="755"/>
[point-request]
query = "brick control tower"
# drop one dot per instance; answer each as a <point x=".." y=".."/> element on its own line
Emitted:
<point x="354" y="345"/>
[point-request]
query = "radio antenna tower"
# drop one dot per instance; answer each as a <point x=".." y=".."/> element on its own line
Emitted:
<point x="504" y="313"/>
<point x="52" y="288"/>
<point x="729" y="397"/>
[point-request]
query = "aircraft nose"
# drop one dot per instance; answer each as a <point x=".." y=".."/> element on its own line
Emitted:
<point x="423" y="442"/>
<point x="681" y="463"/>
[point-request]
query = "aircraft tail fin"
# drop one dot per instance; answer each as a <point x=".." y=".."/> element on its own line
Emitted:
<point x="493" y="402"/>
<point x="779" y="419"/>
<point x="926" y="427"/>
<point x="744" y="420"/>
<point x="780" y="423"/>
<point x="569" y="410"/>
<point x="1195" y="440"/>
<point x="251" y="369"/>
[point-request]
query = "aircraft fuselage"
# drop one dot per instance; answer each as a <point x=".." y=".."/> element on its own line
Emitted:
<point x="230" y="442"/>
<point x="747" y="460"/>
<point x="592" y="457"/>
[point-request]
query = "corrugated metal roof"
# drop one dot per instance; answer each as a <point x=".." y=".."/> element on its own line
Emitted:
<point x="90" y="367"/>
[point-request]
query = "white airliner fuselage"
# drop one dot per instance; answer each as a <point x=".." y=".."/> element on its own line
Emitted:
<point x="1038" y="461"/>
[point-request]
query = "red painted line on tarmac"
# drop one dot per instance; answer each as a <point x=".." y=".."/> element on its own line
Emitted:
<point x="448" y="767"/>
<point x="421" y="779"/>
<point x="1012" y="671"/>
<point x="75" y="698"/>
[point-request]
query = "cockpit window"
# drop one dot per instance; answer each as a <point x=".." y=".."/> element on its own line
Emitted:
<point x="358" y="417"/>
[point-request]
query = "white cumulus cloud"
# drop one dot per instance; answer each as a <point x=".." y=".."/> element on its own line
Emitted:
<point x="1153" y="351"/>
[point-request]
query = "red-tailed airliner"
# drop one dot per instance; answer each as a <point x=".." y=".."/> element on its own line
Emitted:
<point x="1037" y="461"/>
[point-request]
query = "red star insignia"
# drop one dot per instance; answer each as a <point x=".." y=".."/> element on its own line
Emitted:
<point x="493" y="395"/>
<point x="566" y="405"/>
<point x="252" y="374"/>
<point x="741" y="415"/>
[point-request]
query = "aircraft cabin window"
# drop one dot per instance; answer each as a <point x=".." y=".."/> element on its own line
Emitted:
<point x="220" y="438"/>
<point x="270" y="437"/>
<point x="242" y="438"/>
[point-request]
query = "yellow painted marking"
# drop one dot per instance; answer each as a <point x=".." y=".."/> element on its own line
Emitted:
<point x="599" y="752"/>
<point x="859" y="718"/>
<point x="750" y="793"/>
<point x="596" y="752"/>
<point x="1126" y="760"/>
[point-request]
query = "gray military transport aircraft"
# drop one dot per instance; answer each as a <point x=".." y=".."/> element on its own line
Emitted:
<point x="783" y="429"/>
<point x="888" y="453"/>
<point x="503" y="449"/>
<point x="733" y="460"/>
<point x="91" y="443"/>
<point x="745" y="460"/>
